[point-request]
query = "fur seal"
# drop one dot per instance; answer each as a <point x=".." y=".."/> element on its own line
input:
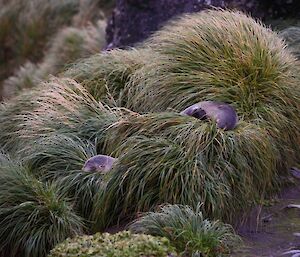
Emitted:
<point x="100" y="163"/>
<point x="224" y="114"/>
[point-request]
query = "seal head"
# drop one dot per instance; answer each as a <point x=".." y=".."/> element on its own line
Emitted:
<point x="100" y="163"/>
<point x="222" y="113"/>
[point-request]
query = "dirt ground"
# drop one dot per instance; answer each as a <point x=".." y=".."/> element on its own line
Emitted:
<point x="272" y="231"/>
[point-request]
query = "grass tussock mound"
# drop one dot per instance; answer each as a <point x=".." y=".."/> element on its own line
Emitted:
<point x="158" y="154"/>
<point x="164" y="157"/>
<point x="26" y="27"/>
<point x="34" y="216"/>
<point x="60" y="105"/>
<point x="179" y="159"/>
<point x="224" y="56"/>
<point x="105" y="75"/>
<point x="217" y="55"/>
<point x="188" y="231"/>
<point x="67" y="46"/>
<point x="60" y="158"/>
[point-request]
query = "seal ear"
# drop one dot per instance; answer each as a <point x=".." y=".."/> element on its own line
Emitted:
<point x="199" y="113"/>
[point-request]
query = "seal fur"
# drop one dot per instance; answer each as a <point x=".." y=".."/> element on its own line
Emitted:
<point x="222" y="113"/>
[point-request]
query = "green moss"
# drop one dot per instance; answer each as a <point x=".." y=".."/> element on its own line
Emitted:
<point x="122" y="244"/>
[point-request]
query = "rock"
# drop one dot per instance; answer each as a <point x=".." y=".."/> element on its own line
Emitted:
<point x="281" y="8"/>
<point x="133" y="21"/>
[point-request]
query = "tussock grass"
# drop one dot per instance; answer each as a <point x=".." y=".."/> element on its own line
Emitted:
<point x="216" y="55"/>
<point x="34" y="216"/>
<point x="224" y="56"/>
<point x="12" y="116"/>
<point x="67" y="46"/>
<point x="26" y="27"/>
<point x="23" y="79"/>
<point x="58" y="106"/>
<point x="56" y="154"/>
<point x="26" y="20"/>
<point x="56" y="129"/>
<point x="61" y="158"/>
<point x="105" y="75"/>
<point x="168" y="158"/>
<point x="165" y="157"/>
<point x="188" y="231"/>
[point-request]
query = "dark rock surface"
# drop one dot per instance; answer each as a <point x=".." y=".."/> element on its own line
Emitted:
<point x="281" y="8"/>
<point x="133" y="21"/>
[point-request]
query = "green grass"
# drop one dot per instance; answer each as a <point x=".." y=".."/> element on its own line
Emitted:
<point x="26" y="27"/>
<point x="60" y="158"/>
<point x="67" y="46"/>
<point x="192" y="48"/>
<point x="164" y="157"/>
<point x="231" y="169"/>
<point x="188" y="231"/>
<point x="169" y="158"/>
<point x="229" y="57"/>
<point x="52" y="156"/>
<point x="57" y="106"/>
<point x="34" y="216"/>
<point x="25" y="78"/>
<point x="105" y="75"/>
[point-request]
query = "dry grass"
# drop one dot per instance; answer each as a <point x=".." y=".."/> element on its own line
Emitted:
<point x="26" y="26"/>
<point x="105" y="75"/>
<point x="58" y="105"/>
<point x="66" y="47"/>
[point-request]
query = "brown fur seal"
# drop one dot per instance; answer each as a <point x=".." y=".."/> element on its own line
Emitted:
<point x="224" y="114"/>
<point x="100" y="163"/>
